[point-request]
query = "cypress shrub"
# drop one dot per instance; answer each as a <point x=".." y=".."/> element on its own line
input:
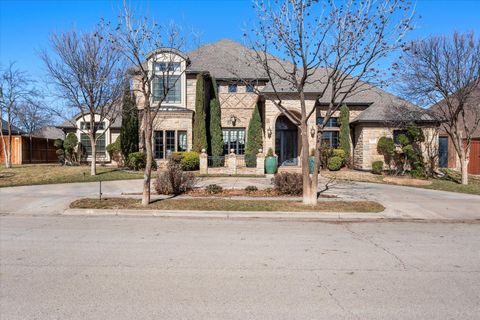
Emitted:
<point x="199" y="123"/>
<point x="254" y="138"/>
<point x="216" y="136"/>
<point x="129" y="129"/>
<point x="345" y="131"/>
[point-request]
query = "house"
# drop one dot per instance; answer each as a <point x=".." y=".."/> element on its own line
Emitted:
<point x="373" y="112"/>
<point x="447" y="155"/>
<point x="108" y="131"/>
<point x="26" y="149"/>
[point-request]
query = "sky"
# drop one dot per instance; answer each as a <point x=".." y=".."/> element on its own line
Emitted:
<point x="25" y="25"/>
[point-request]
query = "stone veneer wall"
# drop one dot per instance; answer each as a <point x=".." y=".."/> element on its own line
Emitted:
<point x="366" y="137"/>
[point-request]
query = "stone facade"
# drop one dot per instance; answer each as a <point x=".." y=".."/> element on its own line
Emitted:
<point x="365" y="141"/>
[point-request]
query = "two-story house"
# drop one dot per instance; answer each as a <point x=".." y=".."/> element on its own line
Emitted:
<point x="241" y="85"/>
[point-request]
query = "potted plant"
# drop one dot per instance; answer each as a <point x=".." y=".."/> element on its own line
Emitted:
<point x="270" y="162"/>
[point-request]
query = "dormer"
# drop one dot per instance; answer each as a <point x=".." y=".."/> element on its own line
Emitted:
<point x="168" y="67"/>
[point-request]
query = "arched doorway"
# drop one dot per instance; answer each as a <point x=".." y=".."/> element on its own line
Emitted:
<point x="286" y="141"/>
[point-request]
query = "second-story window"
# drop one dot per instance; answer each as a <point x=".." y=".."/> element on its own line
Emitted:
<point x="331" y="123"/>
<point x="250" y="88"/>
<point x="84" y="125"/>
<point x="232" y="88"/>
<point x="169" y="85"/>
<point x="167" y="66"/>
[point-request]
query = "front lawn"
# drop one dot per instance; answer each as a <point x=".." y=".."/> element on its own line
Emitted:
<point x="53" y="173"/>
<point x="229" y="205"/>
<point x="449" y="183"/>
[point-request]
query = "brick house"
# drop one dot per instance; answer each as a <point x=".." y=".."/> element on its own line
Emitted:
<point x="374" y="112"/>
<point x="447" y="155"/>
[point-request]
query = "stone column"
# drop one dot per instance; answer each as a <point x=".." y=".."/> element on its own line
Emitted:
<point x="232" y="162"/>
<point x="203" y="162"/>
<point x="260" y="162"/>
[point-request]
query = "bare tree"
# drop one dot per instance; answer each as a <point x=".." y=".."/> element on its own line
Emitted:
<point x="156" y="65"/>
<point x="445" y="72"/>
<point x="32" y="115"/>
<point x="14" y="90"/>
<point x="89" y="76"/>
<point x="329" y="49"/>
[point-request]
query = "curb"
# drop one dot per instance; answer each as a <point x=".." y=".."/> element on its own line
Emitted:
<point x="264" y="215"/>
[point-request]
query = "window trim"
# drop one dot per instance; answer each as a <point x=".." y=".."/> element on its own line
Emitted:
<point x="238" y="150"/>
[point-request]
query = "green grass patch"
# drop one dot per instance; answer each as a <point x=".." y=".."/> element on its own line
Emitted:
<point x="52" y="173"/>
<point x="197" y="174"/>
<point x="473" y="186"/>
<point x="229" y="205"/>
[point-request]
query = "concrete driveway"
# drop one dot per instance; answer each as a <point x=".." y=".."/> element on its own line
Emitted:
<point x="399" y="201"/>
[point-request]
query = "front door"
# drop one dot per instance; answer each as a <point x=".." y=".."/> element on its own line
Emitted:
<point x="286" y="142"/>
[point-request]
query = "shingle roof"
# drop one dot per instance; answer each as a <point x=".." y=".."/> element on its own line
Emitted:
<point x="472" y="106"/>
<point x="15" y="129"/>
<point x="69" y="124"/>
<point x="49" y="132"/>
<point x="225" y="59"/>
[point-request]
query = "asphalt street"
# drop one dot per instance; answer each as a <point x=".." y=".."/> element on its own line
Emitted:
<point x="74" y="267"/>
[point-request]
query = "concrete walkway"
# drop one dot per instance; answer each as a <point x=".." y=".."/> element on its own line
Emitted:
<point x="400" y="202"/>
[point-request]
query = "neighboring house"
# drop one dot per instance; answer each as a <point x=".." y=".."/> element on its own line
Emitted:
<point x="107" y="133"/>
<point x="374" y="112"/>
<point x="448" y="157"/>
<point x="40" y="149"/>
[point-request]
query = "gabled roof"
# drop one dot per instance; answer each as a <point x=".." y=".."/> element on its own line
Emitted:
<point x="471" y="106"/>
<point x="69" y="124"/>
<point x="15" y="129"/>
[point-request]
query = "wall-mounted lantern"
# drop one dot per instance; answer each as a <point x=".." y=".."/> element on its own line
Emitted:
<point x="233" y="120"/>
<point x="312" y="131"/>
<point x="269" y="132"/>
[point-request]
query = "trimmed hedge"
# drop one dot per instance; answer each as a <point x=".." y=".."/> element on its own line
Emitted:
<point x="138" y="160"/>
<point x="377" y="167"/>
<point x="334" y="163"/>
<point x="188" y="160"/>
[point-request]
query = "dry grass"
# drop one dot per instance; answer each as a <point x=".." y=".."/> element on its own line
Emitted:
<point x="229" y="205"/>
<point x="53" y="173"/>
<point x="450" y="183"/>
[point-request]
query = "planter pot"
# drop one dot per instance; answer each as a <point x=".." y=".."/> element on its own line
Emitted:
<point x="270" y="165"/>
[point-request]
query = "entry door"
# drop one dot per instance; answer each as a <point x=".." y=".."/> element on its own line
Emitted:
<point x="287" y="147"/>
<point x="443" y="152"/>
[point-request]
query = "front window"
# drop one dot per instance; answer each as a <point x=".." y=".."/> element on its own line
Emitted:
<point x="85" y="125"/>
<point x="232" y="88"/>
<point x="234" y="138"/>
<point x="396" y="134"/>
<point x="181" y="141"/>
<point x="330" y="139"/>
<point x="158" y="144"/>
<point x="169" y="141"/>
<point x="167" y="66"/>
<point x="100" y="144"/>
<point x="171" y="85"/>
<point x="331" y="123"/>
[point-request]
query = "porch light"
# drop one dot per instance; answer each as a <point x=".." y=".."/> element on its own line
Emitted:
<point x="269" y="132"/>
<point x="233" y="120"/>
<point x="312" y="131"/>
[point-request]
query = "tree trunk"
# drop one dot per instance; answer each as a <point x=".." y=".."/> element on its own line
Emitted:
<point x="148" y="166"/>
<point x="309" y="189"/>
<point x="8" y="162"/>
<point x="464" y="159"/>
<point x="93" y="164"/>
